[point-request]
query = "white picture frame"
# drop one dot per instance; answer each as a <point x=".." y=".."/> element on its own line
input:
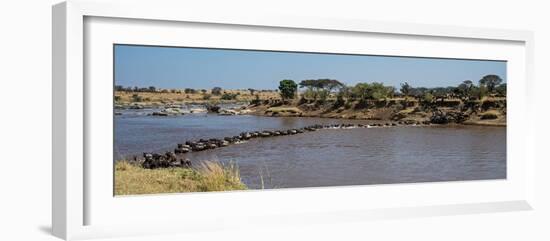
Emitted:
<point x="77" y="195"/>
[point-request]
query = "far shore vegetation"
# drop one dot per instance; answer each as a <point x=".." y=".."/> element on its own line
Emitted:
<point x="320" y="90"/>
<point x="131" y="178"/>
<point x="481" y="102"/>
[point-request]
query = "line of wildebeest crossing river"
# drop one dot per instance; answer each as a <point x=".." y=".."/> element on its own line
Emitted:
<point x="177" y="157"/>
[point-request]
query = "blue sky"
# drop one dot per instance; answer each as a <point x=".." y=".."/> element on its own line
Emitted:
<point x="170" y="67"/>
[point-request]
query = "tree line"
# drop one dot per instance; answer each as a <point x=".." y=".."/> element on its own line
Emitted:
<point x="153" y="89"/>
<point x="320" y="90"/>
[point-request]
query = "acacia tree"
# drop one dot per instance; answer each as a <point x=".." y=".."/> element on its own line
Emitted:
<point x="251" y="91"/>
<point x="464" y="90"/>
<point x="217" y="91"/>
<point x="389" y="92"/>
<point x="491" y="81"/>
<point x="346" y="92"/>
<point x="312" y="86"/>
<point x="331" y="84"/>
<point x="405" y="89"/>
<point x="361" y="91"/>
<point x="287" y="89"/>
<point x="321" y="87"/>
<point x="478" y="92"/>
<point x="501" y="89"/>
<point x="189" y="91"/>
<point x="379" y="91"/>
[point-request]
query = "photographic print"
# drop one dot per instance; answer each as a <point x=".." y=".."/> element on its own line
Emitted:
<point x="192" y="119"/>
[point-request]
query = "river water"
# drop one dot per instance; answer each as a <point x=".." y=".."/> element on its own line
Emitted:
<point x="330" y="157"/>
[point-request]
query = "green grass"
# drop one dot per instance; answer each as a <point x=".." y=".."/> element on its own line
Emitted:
<point x="131" y="179"/>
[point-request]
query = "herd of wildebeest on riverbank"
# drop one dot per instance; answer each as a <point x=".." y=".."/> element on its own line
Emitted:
<point x="177" y="158"/>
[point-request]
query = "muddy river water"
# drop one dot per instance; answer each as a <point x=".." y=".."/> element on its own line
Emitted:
<point x="402" y="154"/>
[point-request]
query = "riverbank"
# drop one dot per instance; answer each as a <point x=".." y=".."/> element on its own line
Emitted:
<point x="486" y="112"/>
<point x="489" y="111"/>
<point x="132" y="179"/>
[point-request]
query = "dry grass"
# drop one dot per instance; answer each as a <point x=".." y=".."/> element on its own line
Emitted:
<point x="406" y="111"/>
<point x="488" y="118"/>
<point x="292" y="110"/>
<point x="132" y="179"/>
<point x="219" y="177"/>
<point x="244" y="95"/>
<point x="490" y="115"/>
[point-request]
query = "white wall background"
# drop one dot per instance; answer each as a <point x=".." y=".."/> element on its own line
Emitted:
<point x="25" y="119"/>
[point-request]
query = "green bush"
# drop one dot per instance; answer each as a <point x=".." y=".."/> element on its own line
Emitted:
<point x="428" y="97"/>
<point x="288" y="88"/>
